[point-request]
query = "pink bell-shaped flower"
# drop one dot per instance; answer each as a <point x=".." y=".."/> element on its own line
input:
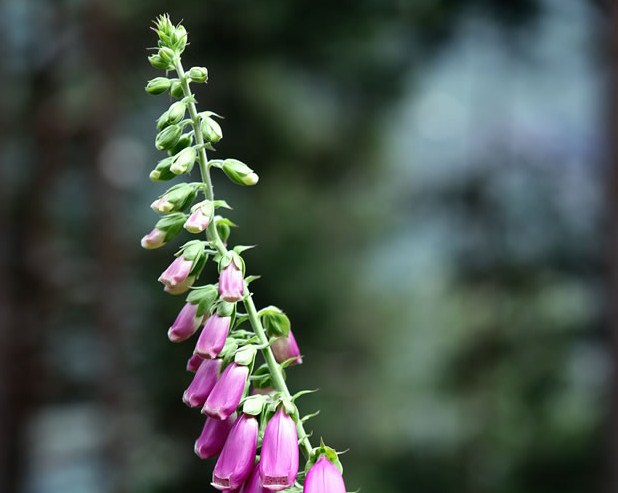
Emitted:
<point x="227" y="392"/>
<point x="202" y="384"/>
<point x="197" y="221"/>
<point x="279" y="456"/>
<point x="186" y="323"/>
<point x="213" y="436"/>
<point x="285" y="348"/>
<point x="176" y="277"/>
<point x="324" y="477"/>
<point x="231" y="283"/>
<point x="238" y="455"/>
<point x="194" y="363"/>
<point x="213" y="336"/>
<point x="254" y="483"/>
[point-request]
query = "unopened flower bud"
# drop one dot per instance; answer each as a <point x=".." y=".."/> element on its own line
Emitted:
<point x="158" y="85"/>
<point x="177" y="198"/>
<point x="324" y="477"/>
<point x="162" y="171"/>
<point x="200" y="217"/>
<point x="213" y="437"/>
<point x="183" y="161"/>
<point x="175" y="277"/>
<point x="198" y="74"/>
<point x="279" y="455"/>
<point x="162" y="121"/>
<point x="211" y="130"/>
<point x="176" y="112"/>
<point x="225" y="396"/>
<point x="167" y="55"/>
<point x="285" y="348"/>
<point x="185" y="141"/>
<point x="238" y="455"/>
<point x="239" y="172"/>
<point x="176" y="89"/>
<point x="213" y="336"/>
<point x="179" y="38"/>
<point x="231" y="283"/>
<point x="154" y="239"/>
<point x="186" y="324"/>
<point x="157" y="62"/>
<point x="167" y="138"/>
<point x="202" y="384"/>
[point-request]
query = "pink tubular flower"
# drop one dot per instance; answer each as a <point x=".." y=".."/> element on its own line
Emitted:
<point x="197" y="221"/>
<point x="238" y="455"/>
<point x="154" y="239"/>
<point x="254" y="483"/>
<point x="225" y="396"/>
<point x="213" y="436"/>
<point x="186" y="323"/>
<point x="213" y="336"/>
<point x="231" y="283"/>
<point x="176" y="277"/>
<point x="285" y="348"/>
<point x="203" y="383"/>
<point x="279" y="456"/>
<point x="194" y="363"/>
<point x="324" y="477"/>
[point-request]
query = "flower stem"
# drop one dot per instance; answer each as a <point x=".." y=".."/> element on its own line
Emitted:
<point x="213" y="236"/>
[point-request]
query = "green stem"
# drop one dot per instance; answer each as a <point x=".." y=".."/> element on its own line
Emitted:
<point x="213" y="236"/>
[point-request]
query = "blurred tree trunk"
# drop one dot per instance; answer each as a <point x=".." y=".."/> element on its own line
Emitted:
<point x="111" y="305"/>
<point x="612" y="254"/>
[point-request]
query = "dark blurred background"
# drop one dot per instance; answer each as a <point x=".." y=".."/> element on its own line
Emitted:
<point x="437" y="213"/>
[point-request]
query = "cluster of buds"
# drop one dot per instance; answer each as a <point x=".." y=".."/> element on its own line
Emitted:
<point x="252" y="423"/>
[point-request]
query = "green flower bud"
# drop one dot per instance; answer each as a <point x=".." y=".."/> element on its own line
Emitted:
<point x="198" y="74"/>
<point x="162" y="170"/>
<point x="179" y="39"/>
<point x="167" y="138"/>
<point x="167" y="55"/>
<point x="158" y="85"/>
<point x="162" y="122"/>
<point x="176" y="112"/>
<point x="276" y="323"/>
<point x="157" y="62"/>
<point x="185" y="141"/>
<point x="239" y="172"/>
<point x="184" y="160"/>
<point x="211" y="130"/>
<point x="223" y="229"/>
<point x="176" y="89"/>
<point x="176" y="199"/>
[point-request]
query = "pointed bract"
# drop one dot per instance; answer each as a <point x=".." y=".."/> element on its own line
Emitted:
<point x="238" y="455"/>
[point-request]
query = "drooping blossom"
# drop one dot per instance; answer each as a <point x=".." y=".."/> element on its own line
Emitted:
<point x="238" y="455"/>
<point x="213" y="436"/>
<point x="202" y="384"/>
<point x="279" y="456"/>
<point x="285" y="348"/>
<point x="186" y="324"/>
<point x="231" y="283"/>
<point x="176" y="277"/>
<point x="197" y="221"/>
<point x="154" y="239"/>
<point x="213" y="336"/>
<point x="227" y="392"/>
<point x="254" y="483"/>
<point x="194" y="362"/>
<point x="324" y="477"/>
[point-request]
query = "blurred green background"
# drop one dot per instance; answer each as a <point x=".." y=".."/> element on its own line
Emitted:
<point x="431" y="213"/>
